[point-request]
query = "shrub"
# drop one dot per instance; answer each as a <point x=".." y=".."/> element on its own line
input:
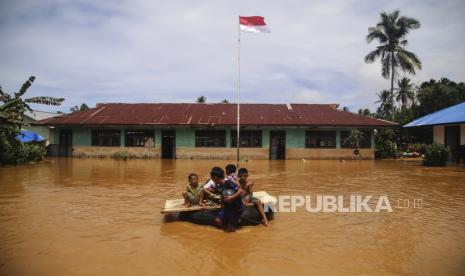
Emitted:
<point x="121" y="155"/>
<point x="385" y="144"/>
<point x="14" y="152"/>
<point x="436" y="155"/>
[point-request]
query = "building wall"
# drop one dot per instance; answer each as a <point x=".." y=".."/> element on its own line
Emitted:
<point x="43" y="131"/>
<point x="221" y="153"/>
<point x="139" y="152"/>
<point x="185" y="145"/>
<point x="293" y="153"/>
<point x="438" y="134"/>
<point x="462" y="134"/>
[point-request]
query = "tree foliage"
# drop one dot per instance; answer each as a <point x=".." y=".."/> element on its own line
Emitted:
<point x="12" y="109"/>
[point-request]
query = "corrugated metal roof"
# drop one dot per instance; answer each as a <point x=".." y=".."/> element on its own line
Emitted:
<point x="451" y="115"/>
<point x="215" y="114"/>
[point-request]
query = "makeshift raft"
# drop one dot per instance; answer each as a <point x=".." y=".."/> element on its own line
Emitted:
<point x="175" y="210"/>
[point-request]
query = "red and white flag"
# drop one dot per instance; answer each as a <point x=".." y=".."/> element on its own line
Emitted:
<point x="253" y="24"/>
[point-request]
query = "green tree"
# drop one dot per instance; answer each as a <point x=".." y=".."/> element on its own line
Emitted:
<point x="435" y="95"/>
<point x="225" y="101"/>
<point x="405" y="92"/>
<point x="385" y="109"/>
<point x="201" y="99"/>
<point x="364" y="111"/>
<point x="11" y="120"/>
<point x="13" y="107"/>
<point x="390" y="32"/>
<point x="76" y="108"/>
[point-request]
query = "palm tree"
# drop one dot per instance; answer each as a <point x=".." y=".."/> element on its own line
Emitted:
<point x="385" y="101"/>
<point x="391" y="32"/>
<point x="405" y="92"/>
<point x="201" y="99"/>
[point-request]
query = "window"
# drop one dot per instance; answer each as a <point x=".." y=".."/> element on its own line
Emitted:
<point x="365" y="142"/>
<point x="249" y="138"/>
<point x="106" y="137"/>
<point x="320" y="139"/>
<point x="210" y="138"/>
<point x="139" y="138"/>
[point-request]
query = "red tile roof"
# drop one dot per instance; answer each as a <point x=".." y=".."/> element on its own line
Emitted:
<point x="216" y="114"/>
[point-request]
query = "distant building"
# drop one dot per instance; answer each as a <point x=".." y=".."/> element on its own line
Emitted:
<point x="30" y="118"/>
<point x="448" y="127"/>
<point x="208" y="131"/>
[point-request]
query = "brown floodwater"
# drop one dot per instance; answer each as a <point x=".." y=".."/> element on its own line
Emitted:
<point x="102" y="217"/>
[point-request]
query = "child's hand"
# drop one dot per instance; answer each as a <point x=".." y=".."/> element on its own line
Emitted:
<point x="227" y="199"/>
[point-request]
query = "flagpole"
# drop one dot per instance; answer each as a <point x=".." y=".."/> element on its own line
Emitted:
<point x="238" y="89"/>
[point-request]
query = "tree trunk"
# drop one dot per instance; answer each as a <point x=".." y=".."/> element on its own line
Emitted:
<point x="392" y="85"/>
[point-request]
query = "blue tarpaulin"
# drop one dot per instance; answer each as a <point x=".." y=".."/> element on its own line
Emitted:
<point x="25" y="136"/>
<point x="451" y="115"/>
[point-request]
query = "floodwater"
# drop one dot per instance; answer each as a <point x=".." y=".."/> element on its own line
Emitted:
<point x="102" y="217"/>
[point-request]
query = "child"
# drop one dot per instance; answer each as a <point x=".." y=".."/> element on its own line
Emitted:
<point x="193" y="190"/>
<point x="231" y="172"/>
<point x="248" y="197"/>
<point x="229" y="216"/>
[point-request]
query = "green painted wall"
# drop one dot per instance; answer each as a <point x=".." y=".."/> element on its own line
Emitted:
<point x="81" y="136"/>
<point x="338" y="139"/>
<point x="122" y="138"/>
<point x="185" y="137"/>
<point x="266" y="138"/>
<point x="228" y="137"/>
<point x="157" y="135"/>
<point x="295" y="138"/>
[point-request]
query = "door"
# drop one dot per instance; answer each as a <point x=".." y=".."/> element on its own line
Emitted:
<point x="65" y="143"/>
<point x="168" y="144"/>
<point x="277" y="145"/>
<point x="452" y="140"/>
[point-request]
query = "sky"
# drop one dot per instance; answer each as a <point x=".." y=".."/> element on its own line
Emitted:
<point x="174" y="51"/>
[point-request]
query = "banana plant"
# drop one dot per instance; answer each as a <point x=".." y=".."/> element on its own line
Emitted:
<point x="13" y="107"/>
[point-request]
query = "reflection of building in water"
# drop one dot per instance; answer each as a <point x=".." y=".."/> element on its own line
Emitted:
<point x="208" y="131"/>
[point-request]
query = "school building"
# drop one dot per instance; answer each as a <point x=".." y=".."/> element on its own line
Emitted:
<point x="208" y="131"/>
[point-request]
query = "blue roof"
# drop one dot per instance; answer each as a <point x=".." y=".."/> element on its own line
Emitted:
<point x="451" y="115"/>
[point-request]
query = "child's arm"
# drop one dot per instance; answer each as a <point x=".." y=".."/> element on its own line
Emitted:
<point x="231" y="198"/>
<point x="250" y="188"/>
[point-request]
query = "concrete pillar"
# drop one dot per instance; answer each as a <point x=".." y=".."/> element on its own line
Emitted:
<point x="157" y="134"/>
<point x="228" y="137"/>
<point x="122" y="138"/>
<point x="338" y="139"/>
<point x="438" y="134"/>
<point x="266" y="138"/>
<point x="372" y="137"/>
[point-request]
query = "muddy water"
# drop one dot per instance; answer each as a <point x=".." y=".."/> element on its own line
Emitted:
<point x="101" y="217"/>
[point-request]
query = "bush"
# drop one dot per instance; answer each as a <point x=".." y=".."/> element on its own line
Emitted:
<point x="14" y="152"/>
<point x="436" y="155"/>
<point x="385" y="144"/>
<point x="121" y="155"/>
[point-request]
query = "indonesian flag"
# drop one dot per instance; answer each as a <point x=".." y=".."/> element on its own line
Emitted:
<point x="253" y="24"/>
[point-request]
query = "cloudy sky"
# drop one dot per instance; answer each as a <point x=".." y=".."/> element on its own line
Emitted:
<point x="173" y="51"/>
